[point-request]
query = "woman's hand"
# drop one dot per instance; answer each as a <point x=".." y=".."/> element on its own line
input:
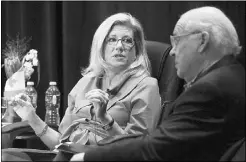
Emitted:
<point x="21" y="104"/>
<point x="99" y="100"/>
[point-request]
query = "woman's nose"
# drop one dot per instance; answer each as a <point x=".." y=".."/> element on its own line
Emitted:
<point x="119" y="44"/>
<point x="119" y="47"/>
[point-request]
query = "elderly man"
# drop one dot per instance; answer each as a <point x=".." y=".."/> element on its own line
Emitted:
<point x="208" y="117"/>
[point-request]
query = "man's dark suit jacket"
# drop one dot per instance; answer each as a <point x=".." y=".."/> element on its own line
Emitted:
<point x="201" y="124"/>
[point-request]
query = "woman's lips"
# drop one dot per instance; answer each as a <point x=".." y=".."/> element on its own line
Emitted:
<point x="118" y="55"/>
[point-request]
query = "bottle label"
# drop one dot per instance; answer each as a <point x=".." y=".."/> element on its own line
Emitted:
<point x="34" y="99"/>
<point x="54" y="99"/>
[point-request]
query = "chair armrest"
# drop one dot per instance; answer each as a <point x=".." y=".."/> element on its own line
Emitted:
<point x="71" y="147"/>
<point x="14" y="126"/>
<point x="10" y="131"/>
<point x="113" y="139"/>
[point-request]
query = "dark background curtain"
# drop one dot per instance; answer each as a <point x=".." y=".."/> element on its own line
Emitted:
<point x="62" y="32"/>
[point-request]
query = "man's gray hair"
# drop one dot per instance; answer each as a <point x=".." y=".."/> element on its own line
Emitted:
<point x="221" y="30"/>
<point x="98" y="65"/>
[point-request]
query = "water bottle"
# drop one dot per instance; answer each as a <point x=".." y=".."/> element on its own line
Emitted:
<point x="52" y="105"/>
<point x="32" y="93"/>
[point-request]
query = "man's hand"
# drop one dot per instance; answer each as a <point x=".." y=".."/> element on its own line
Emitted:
<point x="78" y="157"/>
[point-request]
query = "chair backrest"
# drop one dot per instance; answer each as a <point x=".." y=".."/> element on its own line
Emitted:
<point x="163" y="69"/>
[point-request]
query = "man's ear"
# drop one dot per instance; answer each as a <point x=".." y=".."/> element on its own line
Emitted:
<point x="203" y="41"/>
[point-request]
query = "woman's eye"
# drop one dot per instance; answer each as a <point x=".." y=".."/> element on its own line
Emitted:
<point x="111" y="39"/>
<point x="128" y="40"/>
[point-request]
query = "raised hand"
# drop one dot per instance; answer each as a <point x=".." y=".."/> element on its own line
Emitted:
<point x="21" y="104"/>
<point x="99" y="99"/>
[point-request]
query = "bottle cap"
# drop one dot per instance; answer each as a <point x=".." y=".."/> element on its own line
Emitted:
<point x="52" y="83"/>
<point x="30" y="83"/>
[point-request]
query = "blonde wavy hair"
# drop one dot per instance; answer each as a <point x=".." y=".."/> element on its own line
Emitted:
<point x="97" y="64"/>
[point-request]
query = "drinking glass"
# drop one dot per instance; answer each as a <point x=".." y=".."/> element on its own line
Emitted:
<point x="4" y="105"/>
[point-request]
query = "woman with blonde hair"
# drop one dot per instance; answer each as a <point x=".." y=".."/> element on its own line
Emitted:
<point x="116" y="94"/>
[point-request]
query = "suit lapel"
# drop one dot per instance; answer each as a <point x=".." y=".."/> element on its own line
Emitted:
<point x="226" y="60"/>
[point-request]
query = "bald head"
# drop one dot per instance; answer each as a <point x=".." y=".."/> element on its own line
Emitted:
<point x="222" y="33"/>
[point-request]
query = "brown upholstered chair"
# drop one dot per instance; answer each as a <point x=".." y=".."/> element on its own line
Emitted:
<point x="163" y="69"/>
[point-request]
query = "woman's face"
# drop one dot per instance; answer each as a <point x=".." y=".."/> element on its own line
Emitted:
<point x="119" y="48"/>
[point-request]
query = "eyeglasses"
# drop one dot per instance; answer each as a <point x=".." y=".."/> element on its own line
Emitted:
<point x="127" y="42"/>
<point x="175" y="39"/>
